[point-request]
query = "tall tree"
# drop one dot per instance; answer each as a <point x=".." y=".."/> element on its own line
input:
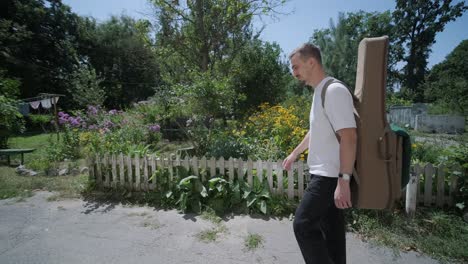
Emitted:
<point x="339" y="43"/>
<point x="261" y="76"/>
<point x="85" y="87"/>
<point x="38" y="44"/>
<point x="198" y="41"/>
<point x="447" y="82"/>
<point x="417" y="23"/>
<point x="121" y="51"/>
<point x="206" y="32"/>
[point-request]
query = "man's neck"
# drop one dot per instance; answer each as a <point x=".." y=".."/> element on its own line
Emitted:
<point x="318" y="77"/>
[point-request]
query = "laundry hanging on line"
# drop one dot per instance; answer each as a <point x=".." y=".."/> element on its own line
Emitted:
<point x="23" y="108"/>
<point x="46" y="103"/>
<point x="35" y="104"/>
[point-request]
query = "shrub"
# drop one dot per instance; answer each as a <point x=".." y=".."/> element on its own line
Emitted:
<point x="424" y="152"/>
<point x="276" y="126"/>
<point x="113" y="131"/>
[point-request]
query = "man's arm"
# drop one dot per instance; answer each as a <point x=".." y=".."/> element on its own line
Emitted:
<point x="298" y="150"/>
<point x="348" y="144"/>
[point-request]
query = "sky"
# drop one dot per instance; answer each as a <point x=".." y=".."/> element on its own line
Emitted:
<point x="292" y="29"/>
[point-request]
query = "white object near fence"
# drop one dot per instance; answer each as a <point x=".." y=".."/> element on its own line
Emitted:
<point x="428" y="185"/>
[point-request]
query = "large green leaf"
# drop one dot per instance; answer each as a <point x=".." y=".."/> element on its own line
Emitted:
<point x="263" y="207"/>
<point x="203" y="192"/>
<point x="251" y="202"/>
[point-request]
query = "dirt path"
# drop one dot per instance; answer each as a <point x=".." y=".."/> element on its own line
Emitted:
<point x="76" y="231"/>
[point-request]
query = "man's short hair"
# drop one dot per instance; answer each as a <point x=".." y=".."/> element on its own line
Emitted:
<point x="306" y="51"/>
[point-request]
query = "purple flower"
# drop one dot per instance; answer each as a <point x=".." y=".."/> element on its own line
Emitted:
<point x="92" y="111"/>
<point x="92" y="127"/>
<point x="154" y="128"/>
<point x="75" y="122"/>
<point x="63" y="115"/>
<point x="62" y="120"/>
<point x="108" y="124"/>
<point x="112" y="112"/>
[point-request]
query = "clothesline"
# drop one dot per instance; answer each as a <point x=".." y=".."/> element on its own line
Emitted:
<point x="41" y="96"/>
<point x="45" y="100"/>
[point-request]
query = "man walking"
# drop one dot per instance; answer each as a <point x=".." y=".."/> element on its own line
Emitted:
<point x="319" y="222"/>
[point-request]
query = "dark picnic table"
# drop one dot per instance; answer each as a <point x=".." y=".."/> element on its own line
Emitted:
<point x="10" y="152"/>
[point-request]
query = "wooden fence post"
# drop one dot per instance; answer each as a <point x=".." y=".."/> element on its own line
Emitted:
<point x="412" y="192"/>
<point x="270" y="174"/>
<point x="428" y="173"/>
<point x="300" y="180"/>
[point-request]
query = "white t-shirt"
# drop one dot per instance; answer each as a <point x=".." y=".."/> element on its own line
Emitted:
<point x="324" y="149"/>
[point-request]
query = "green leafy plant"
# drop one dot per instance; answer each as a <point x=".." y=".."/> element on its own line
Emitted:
<point x="257" y="196"/>
<point x="191" y="193"/>
<point x="219" y="198"/>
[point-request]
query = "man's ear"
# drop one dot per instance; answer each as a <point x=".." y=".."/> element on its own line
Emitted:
<point x="312" y="62"/>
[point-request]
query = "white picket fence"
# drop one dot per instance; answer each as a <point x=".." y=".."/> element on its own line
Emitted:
<point x="428" y="185"/>
<point x="431" y="185"/>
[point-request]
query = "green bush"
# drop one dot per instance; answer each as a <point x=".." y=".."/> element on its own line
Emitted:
<point x="10" y="119"/>
<point x="40" y="119"/>
<point x="424" y="152"/>
<point x="67" y="147"/>
<point x="225" y="144"/>
<point x="457" y="155"/>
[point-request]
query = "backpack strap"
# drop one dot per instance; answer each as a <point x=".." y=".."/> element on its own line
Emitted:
<point x="355" y="101"/>
<point x="333" y="80"/>
<point x="324" y="92"/>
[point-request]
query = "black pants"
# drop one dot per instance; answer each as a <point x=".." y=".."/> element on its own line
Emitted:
<point x="318" y="225"/>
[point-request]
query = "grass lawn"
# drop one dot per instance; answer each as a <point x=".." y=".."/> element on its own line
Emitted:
<point x="38" y="142"/>
<point x="14" y="185"/>
<point x="441" y="234"/>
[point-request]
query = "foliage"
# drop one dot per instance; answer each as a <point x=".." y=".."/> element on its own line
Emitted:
<point x="276" y="126"/>
<point x="396" y="99"/>
<point x="120" y="51"/>
<point x="447" y="82"/>
<point x="253" y="241"/>
<point x="206" y="49"/>
<point x="440" y="234"/>
<point x="189" y="193"/>
<point x="441" y="108"/>
<point x="116" y="131"/>
<point x="10" y="118"/>
<point x="85" y="87"/>
<point x="424" y="152"/>
<point x="208" y="95"/>
<point x="228" y="144"/>
<point x="38" y="119"/>
<point x="68" y="144"/>
<point x="453" y="156"/>
<point x="12" y="185"/>
<point x="259" y="75"/>
<point x="339" y="43"/>
<point x="417" y="23"/>
<point x="38" y="44"/>
<point x="202" y="34"/>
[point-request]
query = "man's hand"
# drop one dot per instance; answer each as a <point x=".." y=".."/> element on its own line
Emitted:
<point x="342" y="194"/>
<point x="287" y="163"/>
